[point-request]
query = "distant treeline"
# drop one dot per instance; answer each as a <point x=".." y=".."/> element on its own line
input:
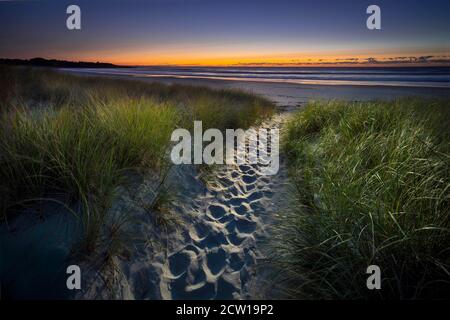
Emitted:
<point x="41" y="62"/>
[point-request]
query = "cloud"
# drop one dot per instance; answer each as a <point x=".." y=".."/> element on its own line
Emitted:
<point x="347" y="59"/>
<point x="405" y="60"/>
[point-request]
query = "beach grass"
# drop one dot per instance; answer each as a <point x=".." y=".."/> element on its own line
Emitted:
<point x="373" y="187"/>
<point x="81" y="137"/>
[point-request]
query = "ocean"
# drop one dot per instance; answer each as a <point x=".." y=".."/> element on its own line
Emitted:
<point x="426" y="77"/>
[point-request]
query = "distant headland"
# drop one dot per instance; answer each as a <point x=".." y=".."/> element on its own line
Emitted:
<point x="41" y="62"/>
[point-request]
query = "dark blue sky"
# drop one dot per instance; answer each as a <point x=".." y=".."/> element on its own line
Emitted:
<point x="223" y="32"/>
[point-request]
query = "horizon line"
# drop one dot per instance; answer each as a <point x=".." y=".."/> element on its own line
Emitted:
<point x="348" y="63"/>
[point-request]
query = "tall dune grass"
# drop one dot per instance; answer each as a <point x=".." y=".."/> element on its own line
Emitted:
<point x="374" y="187"/>
<point x="84" y="153"/>
<point x="82" y="136"/>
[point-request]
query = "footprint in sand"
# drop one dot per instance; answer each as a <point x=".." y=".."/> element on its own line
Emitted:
<point x="179" y="262"/>
<point x="250" y="187"/>
<point x="216" y="260"/>
<point x="236" y="261"/>
<point x="217" y="211"/>
<point x="212" y="240"/>
<point x="199" y="232"/>
<point x="243" y="209"/>
<point x="237" y="201"/>
<point x="235" y="239"/>
<point x="255" y="196"/>
<point x="249" y="179"/>
<point x="245" y="226"/>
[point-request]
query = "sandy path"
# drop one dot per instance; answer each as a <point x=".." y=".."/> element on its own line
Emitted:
<point x="218" y="258"/>
<point x="216" y="248"/>
<point x="228" y="220"/>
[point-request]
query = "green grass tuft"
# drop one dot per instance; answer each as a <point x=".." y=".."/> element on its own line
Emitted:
<point x="374" y="187"/>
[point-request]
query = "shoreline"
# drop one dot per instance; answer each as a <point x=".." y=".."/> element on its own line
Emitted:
<point x="289" y="94"/>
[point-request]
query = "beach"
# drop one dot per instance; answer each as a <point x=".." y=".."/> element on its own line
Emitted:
<point x="249" y="151"/>
<point x="218" y="233"/>
<point x="286" y="93"/>
<point x="228" y="250"/>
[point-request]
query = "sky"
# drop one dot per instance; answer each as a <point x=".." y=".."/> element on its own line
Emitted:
<point x="228" y="32"/>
